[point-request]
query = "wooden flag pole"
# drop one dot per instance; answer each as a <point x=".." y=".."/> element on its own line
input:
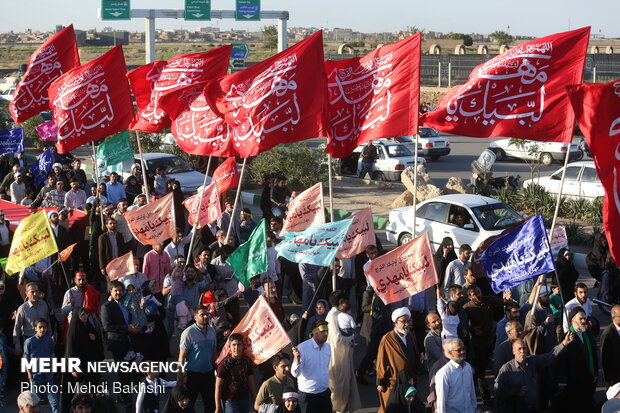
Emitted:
<point x="331" y="213"/>
<point x="415" y="193"/>
<point x="237" y="195"/>
<point x="197" y="219"/>
<point x="144" y="171"/>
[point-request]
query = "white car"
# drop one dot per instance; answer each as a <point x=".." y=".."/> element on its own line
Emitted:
<point x="546" y="152"/>
<point x="482" y="218"/>
<point x="7" y="96"/>
<point x="430" y="143"/>
<point x="581" y="181"/>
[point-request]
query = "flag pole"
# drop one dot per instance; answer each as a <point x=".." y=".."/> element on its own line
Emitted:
<point x="144" y="171"/>
<point x="415" y="182"/>
<point x="237" y="195"/>
<point x="95" y="171"/>
<point x="331" y="212"/>
<point x="553" y="222"/>
<point x="196" y="220"/>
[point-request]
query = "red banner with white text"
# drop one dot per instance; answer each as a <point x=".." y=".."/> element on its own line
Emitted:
<point x="520" y="93"/>
<point x="210" y="210"/>
<point x="226" y="176"/>
<point x="597" y="108"/>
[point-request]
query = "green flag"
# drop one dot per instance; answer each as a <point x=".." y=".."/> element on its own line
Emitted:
<point x="250" y="258"/>
<point x="112" y="152"/>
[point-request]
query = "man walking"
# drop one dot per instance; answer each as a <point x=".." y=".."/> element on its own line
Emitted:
<point x="454" y="382"/>
<point x="369" y="155"/>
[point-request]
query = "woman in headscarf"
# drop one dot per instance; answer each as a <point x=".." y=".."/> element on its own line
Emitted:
<point x="179" y="210"/>
<point x="132" y="189"/>
<point x="290" y="402"/>
<point x="155" y="334"/>
<point x="178" y="402"/>
<point x="443" y="256"/>
<point x="567" y="274"/>
<point x="600" y="264"/>
<point x="404" y="399"/>
<point x="321" y="307"/>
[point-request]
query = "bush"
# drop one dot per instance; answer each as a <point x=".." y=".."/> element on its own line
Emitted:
<point x="508" y="196"/>
<point x="575" y="233"/>
<point x="301" y="165"/>
<point x="536" y="199"/>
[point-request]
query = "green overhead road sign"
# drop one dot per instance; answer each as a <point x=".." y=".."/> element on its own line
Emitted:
<point x="197" y="9"/>
<point x="247" y="10"/>
<point x="115" y="10"/>
<point x="239" y="51"/>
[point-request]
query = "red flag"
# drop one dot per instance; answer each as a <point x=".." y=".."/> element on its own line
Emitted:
<point x="520" y="93"/>
<point x="179" y="71"/>
<point x="153" y="223"/>
<point x="195" y="127"/>
<point x="597" y="108"/>
<point x="210" y="209"/>
<point x="142" y="80"/>
<point x="404" y="271"/>
<point x="375" y="96"/>
<point x="56" y="56"/>
<point x="226" y="175"/>
<point x="306" y="210"/>
<point x="263" y="334"/>
<point x="92" y="101"/>
<point x="279" y="100"/>
<point x="121" y="266"/>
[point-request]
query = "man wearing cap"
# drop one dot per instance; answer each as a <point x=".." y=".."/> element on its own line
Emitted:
<point x="56" y="197"/>
<point x="105" y="177"/>
<point x="76" y="197"/>
<point x="577" y="366"/>
<point x="543" y="339"/>
<point x="397" y="351"/>
<point x="6" y="236"/>
<point x="8" y="179"/>
<point x="612" y="405"/>
<point x="311" y="368"/>
<point x="18" y="188"/>
<point x="115" y="189"/>
<point x="610" y="348"/>
<point x="580" y="300"/>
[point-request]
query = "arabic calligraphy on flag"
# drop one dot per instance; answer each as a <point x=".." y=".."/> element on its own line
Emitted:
<point x="404" y="271"/>
<point x="33" y="240"/>
<point x="226" y="176"/>
<point x="520" y="93"/>
<point x="12" y="140"/>
<point x="210" y="209"/>
<point x="153" y="223"/>
<point x="374" y="96"/>
<point x="597" y="108"/>
<point x="518" y="255"/>
<point x="361" y="234"/>
<point x="56" y="56"/>
<point x="316" y="245"/>
<point x="263" y="335"/>
<point x="306" y="210"/>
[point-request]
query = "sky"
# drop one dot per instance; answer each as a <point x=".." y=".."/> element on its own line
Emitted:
<point x="523" y="17"/>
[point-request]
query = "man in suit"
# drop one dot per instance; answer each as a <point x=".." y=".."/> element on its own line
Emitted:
<point x="111" y="245"/>
<point x="61" y="234"/>
<point x="610" y="348"/>
<point x="217" y="245"/>
<point x="116" y="323"/>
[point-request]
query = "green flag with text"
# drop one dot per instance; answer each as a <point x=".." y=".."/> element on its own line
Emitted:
<point x="112" y="152"/>
<point x="250" y="258"/>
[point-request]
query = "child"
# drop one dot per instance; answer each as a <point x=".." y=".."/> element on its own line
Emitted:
<point x="41" y="345"/>
<point x="148" y="399"/>
<point x="449" y="313"/>
<point x="28" y="198"/>
<point x="346" y="322"/>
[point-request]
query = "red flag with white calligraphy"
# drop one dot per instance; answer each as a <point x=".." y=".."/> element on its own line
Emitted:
<point x="181" y="70"/>
<point x="210" y="210"/>
<point x="195" y="127"/>
<point x="361" y="234"/>
<point x="226" y="176"/>
<point x="597" y="108"/>
<point x="375" y="96"/>
<point x="92" y="101"/>
<point x="153" y="223"/>
<point x="520" y="93"/>
<point x="404" y="271"/>
<point x="56" y="56"/>
<point x="279" y="100"/>
<point x="306" y="210"/>
<point x="142" y="79"/>
<point x="263" y="334"/>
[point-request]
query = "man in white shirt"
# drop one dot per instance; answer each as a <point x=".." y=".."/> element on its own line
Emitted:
<point x="311" y="368"/>
<point x="581" y="300"/>
<point x="18" y="188"/>
<point x="455" y="271"/>
<point x="76" y="197"/>
<point x="454" y="382"/>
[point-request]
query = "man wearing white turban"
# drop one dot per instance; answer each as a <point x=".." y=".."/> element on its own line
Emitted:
<point x="397" y="351"/>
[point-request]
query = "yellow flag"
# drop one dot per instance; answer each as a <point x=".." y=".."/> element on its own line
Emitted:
<point x="33" y="241"/>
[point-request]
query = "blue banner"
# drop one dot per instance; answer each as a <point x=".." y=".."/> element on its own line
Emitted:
<point x="317" y="245"/>
<point x="12" y="140"/>
<point x="519" y="255"/>
<point x="43" y="165"/>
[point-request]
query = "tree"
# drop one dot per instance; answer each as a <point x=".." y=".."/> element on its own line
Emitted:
<point x="270" y="37"/>
<point x="467" y="39"/>
<point x="501" y="37"/>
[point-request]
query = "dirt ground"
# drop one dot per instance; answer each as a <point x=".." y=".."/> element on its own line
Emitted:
<point x="353" y="194"/>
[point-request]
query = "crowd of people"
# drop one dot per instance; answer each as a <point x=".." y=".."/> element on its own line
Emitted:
<point x="542" y="344"/>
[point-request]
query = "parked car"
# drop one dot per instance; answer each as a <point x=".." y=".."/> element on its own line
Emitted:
<point x="546" y="152"/>
<point x="581" y="181"/>
<point x="439" y="216"/>
<point x="176" y="168"/>
<point x="430" y="143"/>
<point x="7" y="96"/>
<point x="393" y="157"/>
